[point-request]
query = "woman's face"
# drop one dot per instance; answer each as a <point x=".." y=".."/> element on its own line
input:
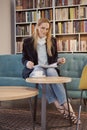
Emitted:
<point x="43" y="30"/>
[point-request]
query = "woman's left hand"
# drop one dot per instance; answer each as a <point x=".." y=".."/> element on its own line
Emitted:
<point x="61" y="60"/>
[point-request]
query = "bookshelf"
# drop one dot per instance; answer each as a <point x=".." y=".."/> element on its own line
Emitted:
<point x="68" y="19"/>
<point x="71" y="26"/>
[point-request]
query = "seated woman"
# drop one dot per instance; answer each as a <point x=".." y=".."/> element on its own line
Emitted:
<point x="41" y="49"/>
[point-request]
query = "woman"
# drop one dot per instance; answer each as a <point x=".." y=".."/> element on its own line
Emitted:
<point x="41" y="49"/>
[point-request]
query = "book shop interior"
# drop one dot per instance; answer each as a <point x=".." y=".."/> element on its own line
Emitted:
<point x="43" y="65"/>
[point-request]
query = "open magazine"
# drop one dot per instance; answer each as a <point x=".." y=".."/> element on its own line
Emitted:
<point x="39" y="73"/>
<point x="54" y="65"/>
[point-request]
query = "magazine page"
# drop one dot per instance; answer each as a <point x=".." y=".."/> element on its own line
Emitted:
<point x="54" y="65"/>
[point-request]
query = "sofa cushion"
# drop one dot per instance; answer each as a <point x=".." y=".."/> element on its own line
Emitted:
<point x="76" y="94"/>
<point x="74" y="64"/>
<point x="13" y="81"/>
<point x="11" y="66"/>
<point x="74" y="84"/>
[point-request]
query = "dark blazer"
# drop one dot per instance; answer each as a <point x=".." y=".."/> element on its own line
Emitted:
<point x="30" y="54"/>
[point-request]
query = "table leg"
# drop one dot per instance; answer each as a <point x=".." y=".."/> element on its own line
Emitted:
<point x="43" y="108"/>
<point x="67" y="103"/>
<point x="35" y="105"/>
<point x="79" y="114"/>
<point x="33" y="123"/>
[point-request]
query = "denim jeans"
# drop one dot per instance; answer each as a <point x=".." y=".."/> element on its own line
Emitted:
<point x="53" y="91"/>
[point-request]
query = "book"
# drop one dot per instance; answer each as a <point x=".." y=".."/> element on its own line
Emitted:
<point x="19" y="4"/>
<point x="83" y="45"/>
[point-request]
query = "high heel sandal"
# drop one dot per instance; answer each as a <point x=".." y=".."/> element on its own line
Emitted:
<point x="73" y="117"/>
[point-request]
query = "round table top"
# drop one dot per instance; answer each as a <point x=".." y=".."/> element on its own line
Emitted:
<point x="16" y="92"/>
<point x="48" y="80"/>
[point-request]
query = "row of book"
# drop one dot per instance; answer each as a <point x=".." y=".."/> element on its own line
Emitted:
<point x="26" y="16"/>
<point x="69" y="2"/>
<point x="31" y="16"/>
<point x="19" y="46"/>
<point x="46" y="14"/>
<point x="27" y="4"/>
<point x="71" y="13"/>
<point x="72" y="45"/>
<point x="60" y="14"/>
<point x="83" y="45"/>
<point x="83" y="12"/>
<point x="25" y="29"/>
<point x="66" y="13"/>
<point x="71" y="27"/>
<point x="44" y="3"/>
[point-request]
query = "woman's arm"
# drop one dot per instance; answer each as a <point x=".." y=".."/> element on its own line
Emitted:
<point x="29" y="55"/>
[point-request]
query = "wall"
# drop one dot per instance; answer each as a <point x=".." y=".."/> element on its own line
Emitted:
<point x="5" y="26"/>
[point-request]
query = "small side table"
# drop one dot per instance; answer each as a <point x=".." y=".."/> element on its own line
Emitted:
<point x="18" y="92"/>
<point x="44" y="81"/>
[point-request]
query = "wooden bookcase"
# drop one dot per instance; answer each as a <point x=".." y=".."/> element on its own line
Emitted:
<point x="68" y="19"/>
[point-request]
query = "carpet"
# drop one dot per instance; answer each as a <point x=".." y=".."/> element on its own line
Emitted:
<point x="11" y="119"/>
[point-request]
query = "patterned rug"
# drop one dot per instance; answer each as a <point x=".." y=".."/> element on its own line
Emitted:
<point x="22" y="120"/>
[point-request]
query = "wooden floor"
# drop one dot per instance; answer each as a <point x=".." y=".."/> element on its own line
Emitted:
<point x="20" y="119"/>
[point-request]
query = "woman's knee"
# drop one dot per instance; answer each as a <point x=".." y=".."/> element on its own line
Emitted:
<point x="52" y="72"/>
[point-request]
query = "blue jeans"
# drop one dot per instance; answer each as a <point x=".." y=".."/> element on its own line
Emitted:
<point x="53" y="91"/>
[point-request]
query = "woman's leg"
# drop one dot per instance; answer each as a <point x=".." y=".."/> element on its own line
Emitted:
<point x="58" y="89"/>
<point x="35" y="70"/>
<point x="49" y="92"/>
<point x="61" y="102"/>
<point x="56" y="93"/>
<point x="59" y="107"/>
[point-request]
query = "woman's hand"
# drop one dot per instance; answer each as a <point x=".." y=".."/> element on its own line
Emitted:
<point x="30" y="64"/>
<point x="61" y="60"/>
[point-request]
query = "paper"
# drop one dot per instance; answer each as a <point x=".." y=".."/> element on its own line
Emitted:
<point x="38" y="76"/>
<point x="54" y="65"/>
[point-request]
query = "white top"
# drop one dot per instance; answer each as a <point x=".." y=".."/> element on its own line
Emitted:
<point x="41" y="50"/>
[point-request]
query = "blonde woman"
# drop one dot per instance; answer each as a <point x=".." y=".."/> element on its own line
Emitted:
<point x="41" y="49"/>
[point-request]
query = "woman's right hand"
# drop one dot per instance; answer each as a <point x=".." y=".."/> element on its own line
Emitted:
<point x="61" y="60"/>
<point x="30" y="64"/>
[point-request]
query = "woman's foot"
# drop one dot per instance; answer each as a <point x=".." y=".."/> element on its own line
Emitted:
<point x="59" y="107"/>
<point x="72" y="115"/>
<point x="63" y="109"/>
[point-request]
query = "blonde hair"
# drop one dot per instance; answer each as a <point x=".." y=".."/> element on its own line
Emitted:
<point x="48" y="39"/>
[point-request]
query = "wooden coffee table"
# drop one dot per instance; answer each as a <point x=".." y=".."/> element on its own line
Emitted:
<point x="18" y="92"/>
<point x="44" y="81"/>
